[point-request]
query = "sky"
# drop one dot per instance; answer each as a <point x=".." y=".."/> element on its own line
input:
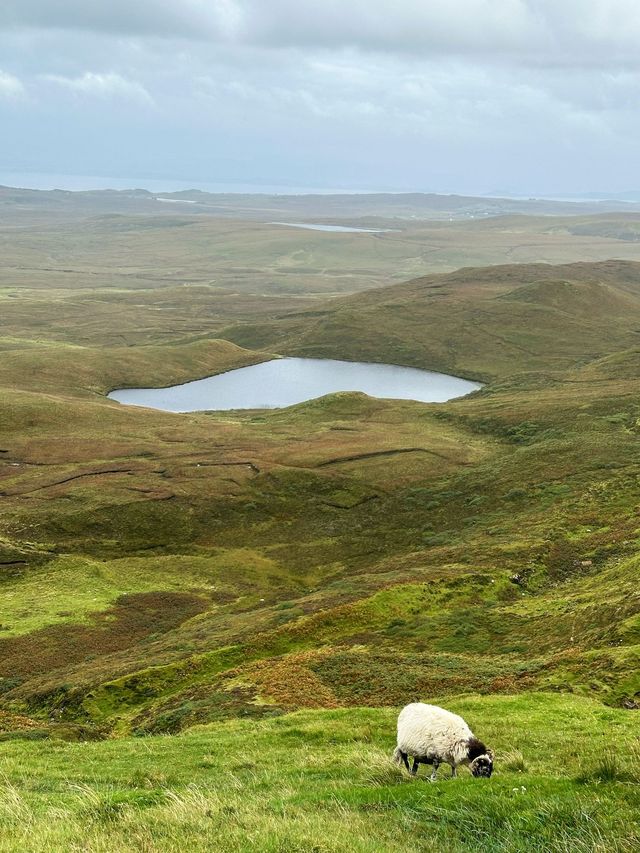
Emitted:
<point x="526" y="97"/>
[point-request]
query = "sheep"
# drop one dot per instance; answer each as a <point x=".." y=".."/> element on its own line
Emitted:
<point x="435" y="736"/>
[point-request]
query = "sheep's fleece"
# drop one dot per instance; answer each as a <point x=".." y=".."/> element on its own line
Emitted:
<point x="434" y="734"/>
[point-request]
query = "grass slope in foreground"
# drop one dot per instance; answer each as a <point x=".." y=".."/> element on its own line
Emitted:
<point x="567" y="781"/>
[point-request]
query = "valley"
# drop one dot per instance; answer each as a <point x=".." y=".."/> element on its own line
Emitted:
<point x="281" y="581"/>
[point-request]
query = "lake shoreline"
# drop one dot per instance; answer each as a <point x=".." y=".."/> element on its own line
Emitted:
<point x="280" y="382"/>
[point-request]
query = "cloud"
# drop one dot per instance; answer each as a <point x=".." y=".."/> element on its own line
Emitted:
<point x="433" y="93"/>
<point x="109" y="85"/>
<point x="520" y="32"/>
<point x="410" y="26"/>
<point x="168" y="18"/>
<point x="11" y="87"/>
<point x="557" y="32"/>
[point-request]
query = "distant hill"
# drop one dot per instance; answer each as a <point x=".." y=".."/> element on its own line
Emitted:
<point x="480" y="322"/>
<point x="267" y="207"/>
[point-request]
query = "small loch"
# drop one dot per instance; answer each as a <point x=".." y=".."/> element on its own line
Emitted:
<point x="285" y="381"/>
<point x="336" y="229"/>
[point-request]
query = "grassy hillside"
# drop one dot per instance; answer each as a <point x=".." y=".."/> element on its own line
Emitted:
<point x="128" y="279"/>
<point x="208" y="575"/>
<point x="486" y="323"/>
<point x="200" y="565"/>
<point x="323" y="780"/>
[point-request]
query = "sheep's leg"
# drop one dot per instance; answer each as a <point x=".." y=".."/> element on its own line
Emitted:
<point x="434" y="772"/>
<point x="405" y="760"/>
<point x="454" y="771"/>
<point x="416" y="764"/>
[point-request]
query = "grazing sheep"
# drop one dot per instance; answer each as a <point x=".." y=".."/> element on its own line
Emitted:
<point x="435" y="736"/>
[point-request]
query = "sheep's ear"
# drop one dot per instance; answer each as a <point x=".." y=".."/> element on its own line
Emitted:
<point x="490" y="754"/>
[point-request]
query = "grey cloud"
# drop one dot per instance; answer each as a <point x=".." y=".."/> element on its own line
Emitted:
<point x="556" y="32"/>
<point x="547" y="32"/>
<point x="168" y="18"/>
<point x="388" y="25"/>
<point x="456" y="95"/>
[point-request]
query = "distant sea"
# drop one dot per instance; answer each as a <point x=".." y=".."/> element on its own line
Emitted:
<point x="46" y="181"/>
<point x="53" y="181"/>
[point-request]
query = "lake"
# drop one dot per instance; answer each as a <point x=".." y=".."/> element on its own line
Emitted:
<point x="344" y="229"/>
<point x="285" y="381"/>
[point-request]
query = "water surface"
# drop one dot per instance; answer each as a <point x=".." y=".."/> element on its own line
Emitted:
<point x="338" y="228"/>
<point x="285" y="381"/>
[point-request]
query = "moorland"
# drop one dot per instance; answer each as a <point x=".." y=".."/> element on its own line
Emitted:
<point x="208" y="621"/>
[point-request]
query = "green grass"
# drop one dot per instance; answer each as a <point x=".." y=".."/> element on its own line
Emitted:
<point x="400" y="557"/>
<point x="324" y="780"/>
<point x="270" y="587"/>
<point x="71" y="275"/>
<point x="69" y="588"/>
<point x="484" y="323"/>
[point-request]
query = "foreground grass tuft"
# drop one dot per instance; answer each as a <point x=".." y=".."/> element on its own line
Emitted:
<point x="611" y="768"/>
<point x="513" y="761"/>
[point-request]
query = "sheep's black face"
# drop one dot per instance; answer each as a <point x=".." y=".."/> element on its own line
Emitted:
<point x="482" y="766"/>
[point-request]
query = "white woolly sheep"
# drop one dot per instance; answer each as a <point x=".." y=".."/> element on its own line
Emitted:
<point x="435" y="736"/>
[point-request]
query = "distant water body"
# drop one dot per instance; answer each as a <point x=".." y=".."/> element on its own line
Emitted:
<point x="339" y="228"/>
<point x="286" y="381"/>
<point x="79" y="183"/>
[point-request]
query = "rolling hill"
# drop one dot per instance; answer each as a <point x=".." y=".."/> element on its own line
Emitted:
<point x="302" y="572"/>
<point x="340" y="534"/>
<point x="482" y="323"/>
